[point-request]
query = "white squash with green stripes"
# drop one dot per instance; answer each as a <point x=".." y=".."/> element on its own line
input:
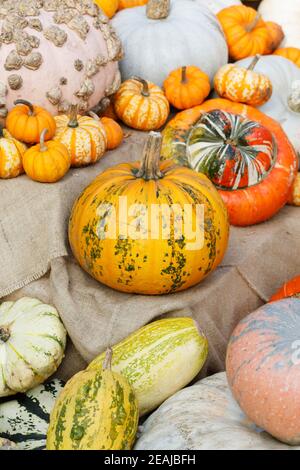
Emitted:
<point x="25" y="419"/>
<point x="159" y="359"/>
<point x="32" y="344"/>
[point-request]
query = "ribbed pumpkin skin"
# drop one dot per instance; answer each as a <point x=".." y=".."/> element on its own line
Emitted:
<point x="11" y="153"/>
<point x="263" y="368"/>
<point x="114" y="133"/>
<point x="147" y="266"/>
<point x="26" y="128"/>
<point x="254" y="204"/>
<point x="276" y="36"/>
<point x="289" y="289"/>
<point x="242" y="86"/>
<point x="96" y="410"/>
<point x="159" y="359"/>
<point x="141" y="112"/>
<point x="291" y="53"/>
<point x="245" y="36"/>
<point x="85" y="143"/>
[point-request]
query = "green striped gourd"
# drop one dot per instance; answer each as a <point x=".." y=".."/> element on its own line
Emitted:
<point x="32" y="344"/>
<point x="97" y="410"/>
<point x="25" y="419"/>
<point x="159" y="359"/>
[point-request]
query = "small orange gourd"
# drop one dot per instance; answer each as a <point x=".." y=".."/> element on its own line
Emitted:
<point x="11" y="153"/>
<point x="25" y="122"/>
<point x="187" y="87"/>
<point x="291" y="53"/>
<point x="114" y="131"/>
<point x="245" y="31"/>
<point x="276" y="36"/>
<point x="243" y="85"/>
<point x="47" y="162"/>
<point x="141" y="104"/>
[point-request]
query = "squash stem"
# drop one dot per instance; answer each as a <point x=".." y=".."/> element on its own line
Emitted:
<point x="26" y="103"/>
<point x="158" y="9"/>
<point x="73" y="123"/>
<point x="145" y="90"/>
<point x="149" y="169"/>
<point x="43" y="147"/>
<point x="94" y="115"/>
<point x="1" y="132"/>
<point x="254" y="62"/>
<point x="108" y="359"/>
<point x="4" y="334"/>
<point x="251" y="26"/>
<point x="183" y="75"/>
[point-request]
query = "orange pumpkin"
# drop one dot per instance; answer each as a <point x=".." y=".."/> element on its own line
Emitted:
<point x="276" y="35"/>
<point x="187" y="87"/>
<point x="25" y="122"/>
<point x="131" y="3"/>
<point x="114" y="131"/>
<point x="47" y="162"/>
<point x="11" y="154"/>
<point x="254" y="180"/>
<point x="294" y="199"/>
<point x="109" y="112"/>
<point x="246" y="33"/>
<point x="243" y="85"/>
<point x="138" y="249"/>
<point x="291" y="53"/>
<point x="289" y="289"/>
<point x="141" y="104"/>
<point x="108" y="6"/>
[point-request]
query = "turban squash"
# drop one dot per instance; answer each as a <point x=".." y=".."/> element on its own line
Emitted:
<point x="125" y="232"/>
<point x="251" y="161"/>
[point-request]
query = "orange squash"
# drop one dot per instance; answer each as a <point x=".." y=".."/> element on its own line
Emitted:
<point x="141" y="104"/>
<point x="187" y="87"/>
<point x="291" y="53"/>
<point x="47" y="162"/>
<point x="289" y="289"/>
<point x="243" y="85"/>
<point x="108" y="6"/>
<point x="253" y="182"/>
<point x="25" y="122"/>
<point x="123" y="230"/>
<point x="276" y="35"/>
<point x="114" y="131"/>
<point x="246" y="33"/>
<point x="131" y="3"/>
<point x="11" y="154"/>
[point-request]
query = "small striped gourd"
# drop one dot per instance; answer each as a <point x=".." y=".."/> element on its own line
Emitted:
<point x="25" y="419"/>
<point x="159" y="359"/>
<point x="97" y="410"/>
<point x="32" y="344"/>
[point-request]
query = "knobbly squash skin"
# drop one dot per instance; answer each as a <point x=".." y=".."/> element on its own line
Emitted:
<point x="159" y="359"/>
<point x="254" y="204"/>
<point x="263" y="368"/>
<point x="289" y="289"/>
<point x="147" y="266"/>
<point x="97" y="410"/>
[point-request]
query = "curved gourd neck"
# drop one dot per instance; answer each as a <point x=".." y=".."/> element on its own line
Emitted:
<point x="158" y="9"/>
<point x="149" y="169"/>
<point x="31" y="111"/>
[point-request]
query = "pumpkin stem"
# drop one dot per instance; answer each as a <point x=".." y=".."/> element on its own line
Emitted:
<point x="43" y="147"/>
<point x="158" y="9"/>
<point x="107" y="359"/>
<point x="73" y="116"/>
<point x="93" y="115"/>
<point x="149" y="169"/>
<point x="183" y="75"/>
<point x="251" y="26"/>
<point x="145" y="90"/>
<point x="27" y="103"/>
<point x="101" y="107"/>
<point x="254" y="62"/>
<point x="1" y="132"/>
<point x="4" y="334"/>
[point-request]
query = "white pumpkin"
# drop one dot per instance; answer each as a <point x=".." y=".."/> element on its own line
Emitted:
<point x="32" y="344"/>
<point x="217" y="5"/>
<point x="287" y="14"/>
<point x="190" y="34"/>
<point x="25" y="419"/>
<point x="56" y="53"/>
<point x="285" y="100"/>
<point x="203" y="417"/>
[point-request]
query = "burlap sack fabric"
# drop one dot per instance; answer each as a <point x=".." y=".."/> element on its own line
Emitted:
<point x="36" y="261"/>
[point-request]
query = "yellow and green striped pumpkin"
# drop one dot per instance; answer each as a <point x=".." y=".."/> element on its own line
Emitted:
<point x="159" y="359"/>
<point x="97" y="410"/>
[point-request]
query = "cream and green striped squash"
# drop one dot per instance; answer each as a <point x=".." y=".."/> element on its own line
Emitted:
<point x="97" y="410"/>
<point x="32" y="344"/>
<point x="159" y="359"/>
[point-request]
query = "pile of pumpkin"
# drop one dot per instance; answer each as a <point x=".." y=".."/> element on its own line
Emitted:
<point x="99" y="408"/>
